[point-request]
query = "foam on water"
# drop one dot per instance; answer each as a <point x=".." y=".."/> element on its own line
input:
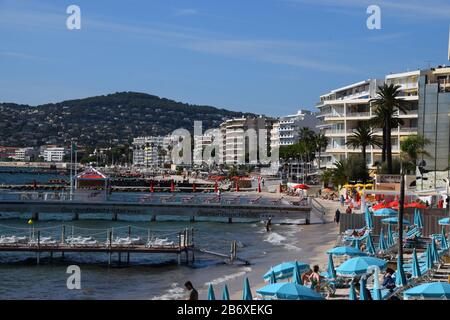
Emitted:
<point x="174" y="293"/>
<point x="274" y="238"/>
<point x="229" y="277"/>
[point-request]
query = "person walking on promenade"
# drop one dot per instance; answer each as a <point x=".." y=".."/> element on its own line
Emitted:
<point x="337" y="215"/>
<point x="193" y="294"/>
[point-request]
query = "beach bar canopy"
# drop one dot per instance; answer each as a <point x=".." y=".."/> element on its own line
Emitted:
<point x="444" y="221"/>
<point x="91" y="179"/>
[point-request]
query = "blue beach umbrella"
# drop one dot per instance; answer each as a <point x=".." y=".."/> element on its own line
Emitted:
<point x="376" y="288"/>
<point x="289" y="291"/>
<point x="358" y="266"/>
<point x="394" y="220"/>
<point x="211" y="295"/>
<point x="296" y="277"/>
<point x="352" y="293"/>
<point x="444" y="221"/>
<point x="368" y="218"/>
<point x="418" y="221"/>
<point x="247" y="293"/>
<point x="434" y="251"/>
<point x="225" y="293"/>
<point x="330" y="269"/>
<point x="382" y="246"/>
<point x="385" y="212"/>
<point x="346" y="251"/>
<point x="356" y="243"/>
<point x="370" y="248"/>
<point x="390" y="237"/>
<point x="285" y="270"/>
<point x="444" y="243"/>
<point x="400" y="277"/>
<point x="416" y="273"/>
<point x="362" y="289"/>
<point x="431" y="290"/>
<point x="273" y="278"/>
<point x="429" y="258"/>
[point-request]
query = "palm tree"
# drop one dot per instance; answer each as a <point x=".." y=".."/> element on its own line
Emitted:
<point x="387" y="103"/>
<point x="321" y="144"/>
<point x="411" y="148"/>
<point x="363" y="137"/>
<point x="339" y="174"/>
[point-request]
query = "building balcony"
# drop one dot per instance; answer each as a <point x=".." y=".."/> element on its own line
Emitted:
<point x="358" y="114"/>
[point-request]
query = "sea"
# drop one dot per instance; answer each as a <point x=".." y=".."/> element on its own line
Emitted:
<point x="148" y="276"/>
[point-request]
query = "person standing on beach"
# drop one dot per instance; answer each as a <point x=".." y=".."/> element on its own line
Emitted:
<point x="269" y="225"/>
<point x="314" y="279"/>
<point x="193" y="294"/>
<point x="337" y="215"/>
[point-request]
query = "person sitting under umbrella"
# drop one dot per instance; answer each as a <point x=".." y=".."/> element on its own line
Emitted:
<point x="388" y="280"/>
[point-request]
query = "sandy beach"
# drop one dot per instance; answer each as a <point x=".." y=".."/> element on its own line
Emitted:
<point x="312" y="240"/>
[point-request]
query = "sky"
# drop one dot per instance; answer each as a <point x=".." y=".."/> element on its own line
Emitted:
<point x="270" y="57"/>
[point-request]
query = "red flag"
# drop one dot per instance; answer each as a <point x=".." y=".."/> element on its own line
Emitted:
<point x="237" y="185"/>
<point x="193" y="187"/>
<point x="172" y="186"/>
<point x="152" y="188"/>
<point x="216" y="187"/>
<point x="259" y="184"/>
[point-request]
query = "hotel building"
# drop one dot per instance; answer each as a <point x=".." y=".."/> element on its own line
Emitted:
<point x="343" y="109"/>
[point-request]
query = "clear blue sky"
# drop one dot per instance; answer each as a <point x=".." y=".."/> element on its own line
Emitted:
<point x="262" y="56"/>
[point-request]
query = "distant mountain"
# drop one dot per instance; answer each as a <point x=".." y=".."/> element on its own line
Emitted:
<point x="103" y="120"/>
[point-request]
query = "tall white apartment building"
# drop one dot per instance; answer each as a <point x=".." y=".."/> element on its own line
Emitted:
<point x="200" y="143"/>
<point x="148" y="151"/>
<point x="54" y="154"/>
<point x="290" y="126"/>
<point x="341" y="111"/>
<point x="234" y="145"/>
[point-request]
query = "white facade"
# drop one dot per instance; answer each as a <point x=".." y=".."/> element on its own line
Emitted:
<point x="341" y="111"/>
<point x="23" y="154"/>
<point x="54" y="154"/>
<point x="149" y="151"/>
<point x="233" y="135"/>
<point x="290" y="126"/>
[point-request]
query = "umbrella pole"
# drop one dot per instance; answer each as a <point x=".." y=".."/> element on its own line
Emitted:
<point x="401" y="212"/>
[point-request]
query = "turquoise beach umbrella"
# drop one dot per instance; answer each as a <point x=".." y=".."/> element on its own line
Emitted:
<point x="444" y="221"/>
<point x="444" y="243"/>
<point x="390" y="237"/>
<point x="362" y="289"/>
<point x="331" y="270"/>
<point x="435" y="253"/>
<point x="368" y="218"/>
<point x="376" y="288"/>
<point x="273" y="278"/>
<point x="394" y="220"/>
<point x="357" y="243"/>
<point x="418" y="221"/>
<point x="225" y="293"/>
<point x="289" y="291"/>
<point x="370" y="248"/>
<point x="415" y="266"/>
<point x="211" y="295"/>
<point x="346" y="251"/>
<point x="431" y="290"/>
<point x="400" y="277"/>
<point x="358" y="266"/>
<point x="385" y="212"/>
<point x="382" y="246"/>
<point x="352" y="294"/>
<point x="296" y="277"/>
<point x="247" y="293"/>
<point x="285" y="270"/>
<point x="429" y="258"/>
